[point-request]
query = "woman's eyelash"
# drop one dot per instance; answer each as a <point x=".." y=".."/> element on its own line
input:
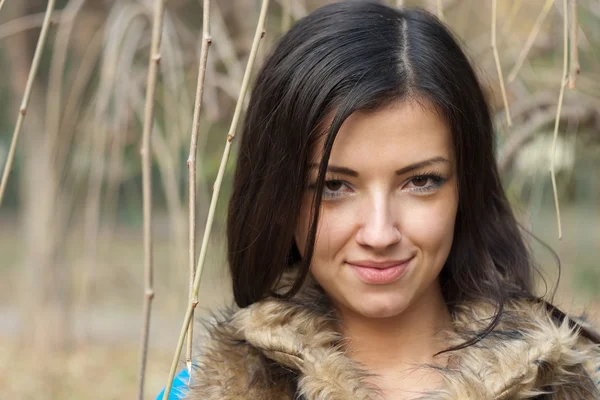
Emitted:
<point x="436" y="179"/>
<point x="327" y="192"/>
<point x="330" y="193"/>
<point x="329" y="180"/>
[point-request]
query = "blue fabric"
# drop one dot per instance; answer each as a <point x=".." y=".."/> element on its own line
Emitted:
<point x="180" y="385"/>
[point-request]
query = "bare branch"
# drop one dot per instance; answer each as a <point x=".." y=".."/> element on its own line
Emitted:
<point x="176" y="96"/>
<point x="28" y="89"/>
<point x="136" y="31"/>
<point x="225" y="47"/>
<point x="563" y="83"/>
<point x="514" y="11"/>
<point x="533" y="125"/>
<point x="574" y="55"/>
<point x="164" y="158"/>
<point x="537" y="26"/>
<point x="497" y="60"/>
<point x="31" y="21"/>
<point x="59" y="56"/>
<point x="118" y="24"/>
<point x="206" y="42"/>
<point x="159" y="9"/>
<point x="440" y="10"/>
<point x="217" y="187"/>
<point x="1" y="4"/>
<point x="74" y="99"/>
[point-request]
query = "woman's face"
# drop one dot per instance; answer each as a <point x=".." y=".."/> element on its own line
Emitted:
<point x="387" y="217"/>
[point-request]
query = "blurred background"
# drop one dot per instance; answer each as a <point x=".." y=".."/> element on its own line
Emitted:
<point x="71" y="250"/>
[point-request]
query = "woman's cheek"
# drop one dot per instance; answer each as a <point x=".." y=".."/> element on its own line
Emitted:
<point x="336" y="224"/>
<point x="429" y="224"/>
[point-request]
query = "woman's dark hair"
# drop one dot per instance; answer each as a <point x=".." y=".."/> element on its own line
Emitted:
<point x="362" y="55"/>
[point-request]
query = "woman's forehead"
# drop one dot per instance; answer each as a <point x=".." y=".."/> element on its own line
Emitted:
<point x="401" y="133"/>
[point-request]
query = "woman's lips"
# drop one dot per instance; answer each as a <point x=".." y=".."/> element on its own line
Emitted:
<point x="381" y="275"/>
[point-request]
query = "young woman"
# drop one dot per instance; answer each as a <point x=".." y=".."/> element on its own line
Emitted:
<point x="372" y="251"/>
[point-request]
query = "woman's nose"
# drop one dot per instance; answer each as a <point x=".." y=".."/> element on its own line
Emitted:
<point x="378" y="224"/>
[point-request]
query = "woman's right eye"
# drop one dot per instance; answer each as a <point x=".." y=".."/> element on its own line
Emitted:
<point x="335" y="188"/>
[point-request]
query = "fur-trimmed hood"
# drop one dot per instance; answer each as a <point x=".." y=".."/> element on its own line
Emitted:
<point x="291" y="349"/>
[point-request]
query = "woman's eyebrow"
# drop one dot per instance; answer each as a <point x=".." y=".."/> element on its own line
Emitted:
<point x="421" y="164"/>
<point x="337" y="170"/>
<point x="401" y="171"/>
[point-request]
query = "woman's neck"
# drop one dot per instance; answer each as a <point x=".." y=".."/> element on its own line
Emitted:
<point x="392" y="347"/>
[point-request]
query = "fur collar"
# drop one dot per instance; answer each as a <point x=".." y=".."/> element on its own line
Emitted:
<point x="289" y="349"/>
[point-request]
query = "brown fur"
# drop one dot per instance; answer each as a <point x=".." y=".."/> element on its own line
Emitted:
<point x="289" y="349"/>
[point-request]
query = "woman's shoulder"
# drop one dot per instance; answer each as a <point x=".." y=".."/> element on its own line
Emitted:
<point x="225" y="363"/>
<point x="228" y="365"/>
<point x="268" y="349"/>
<point x="530" y="346"/>
<point x="272" y="350"/>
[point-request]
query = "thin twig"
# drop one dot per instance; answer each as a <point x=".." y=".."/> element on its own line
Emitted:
<point x="56" y="140"/>
<point x="212" y="110"/>
<point x="574" y="55"/>
<point x="225" y="49"/>
<point x="72" y="107"/>
<point x="164" y="159"/>
<point x="98" y="143"/>
<point x="159" y="9"/>
<point x="587" y="84"/>
<point x="537" y="26"/>
<point x="440" y="10"/>
<point x="217" y="187"/>
<point x="55" y="83"/>
<point x="120" y="120"/>
<point x="206" y="42"/>
<point x="563" y="83"/>
<point x="2" y="3"/>
<point x="31" y="21"/>
<point x="28" y="89"/>
<point x="115" y="170"/>
<point x="497" y="60"/>
<point x="175" y="102"/>
<point x="514" y="11"/>
<point x="399" y="3"/>
<point x="537" y="121"/>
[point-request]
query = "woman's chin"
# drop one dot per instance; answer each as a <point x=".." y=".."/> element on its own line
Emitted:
<point x="379" y="309"/>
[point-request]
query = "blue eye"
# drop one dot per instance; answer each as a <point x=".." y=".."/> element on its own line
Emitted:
<point x="425" y="183"/>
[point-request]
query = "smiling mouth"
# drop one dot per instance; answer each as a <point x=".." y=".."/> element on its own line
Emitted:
<point x="380" y="273"/>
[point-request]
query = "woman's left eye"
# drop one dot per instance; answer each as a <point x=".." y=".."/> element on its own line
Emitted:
<point x="424" y="183"/>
